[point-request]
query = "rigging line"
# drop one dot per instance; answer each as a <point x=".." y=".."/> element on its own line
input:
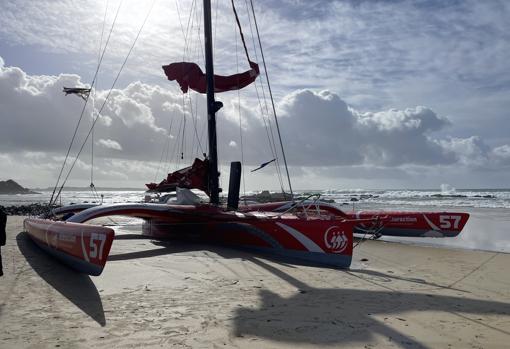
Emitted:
<point x="215" y="21"/>
<point x="199" y="28"/>
<point x="174" y="159"/>
<point x="192" y="9"/>
<point x="240" y="30"/>
<point x="183" y="136"/>
<point x="94" y="99"/>
<point x="270" y="132"/>
<point x="270" y="138"/>
<point x="193" y="114"/>
<point x="84" y="106"/>
<point x="165" y="148"/>
<point x="106" y="98"/>
<point x="180" y="21"/>
<point x="239" y="111"/>
<point x="272" y="143"/>
<point x="272" y="100"/>
<point x="192" y="43"/>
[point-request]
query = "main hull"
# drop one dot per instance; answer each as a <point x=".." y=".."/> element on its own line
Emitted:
<point x="326" y="242"/>
<point x="322" y="238"/>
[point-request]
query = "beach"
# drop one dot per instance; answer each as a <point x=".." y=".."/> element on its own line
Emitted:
<point x="174" y="294"/>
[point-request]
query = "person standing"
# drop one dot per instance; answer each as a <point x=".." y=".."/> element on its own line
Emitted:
<point x="3" y="222"/>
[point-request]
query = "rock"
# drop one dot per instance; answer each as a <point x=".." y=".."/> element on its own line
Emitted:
<point x="26" y="210"/>
<point x="10" y="187"/>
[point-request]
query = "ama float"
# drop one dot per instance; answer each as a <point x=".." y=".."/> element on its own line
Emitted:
<point x="306" y="229"/>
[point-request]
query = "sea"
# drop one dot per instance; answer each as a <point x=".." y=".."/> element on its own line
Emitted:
<point x="390" y="199"/>
<point x="487" y="228"/>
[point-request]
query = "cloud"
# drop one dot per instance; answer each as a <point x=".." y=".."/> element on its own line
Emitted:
<point x="321" y="129"/>
<point x="109" y="143"/>
<point x="140" y="133"/>
<point x="501" y="154"/>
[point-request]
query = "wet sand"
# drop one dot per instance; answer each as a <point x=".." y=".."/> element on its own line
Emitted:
<point x="169" y="294"/>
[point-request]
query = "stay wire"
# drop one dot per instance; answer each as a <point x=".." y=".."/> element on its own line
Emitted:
<point x="240" y="31"/>
<point x="92" y="186"/>
<point x="239" y="109"/>
<point x="52" y="199"/>
<point x="194" y="119"/>
<point x="272" y="100"/>
<point x="165" y="148"/>
<point x="107" y="96"/>
<point x="267" y="125"/>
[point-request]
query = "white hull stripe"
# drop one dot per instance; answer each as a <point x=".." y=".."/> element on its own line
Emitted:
<point x="432" y="225"/>
<point x="309" y="244"/>
<point x="83" y="249"/>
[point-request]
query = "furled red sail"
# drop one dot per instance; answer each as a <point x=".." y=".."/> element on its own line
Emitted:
<point x="190" y="76"/>
<point x="192" y="177"/>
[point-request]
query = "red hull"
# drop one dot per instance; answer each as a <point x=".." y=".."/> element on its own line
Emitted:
<point x="415" y="224"/>
<point x="322" y="238"/>
<point x="388" y="223"/>
<point x="82" y="247"/>
<point x="311" y="231"/>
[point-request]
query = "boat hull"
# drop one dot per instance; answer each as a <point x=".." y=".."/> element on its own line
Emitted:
<point x="326" y="242"/>
<point x="385" y="223"/>
<point x="83" y="247"/>
<point x="412" y="224"/>
<point x="322" y="239"/>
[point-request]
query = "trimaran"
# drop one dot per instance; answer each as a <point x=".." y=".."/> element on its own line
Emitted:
<point x="307" y="229"/>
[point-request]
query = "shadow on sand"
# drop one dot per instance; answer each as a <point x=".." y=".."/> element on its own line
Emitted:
<point x="334" y="316"/>
<point x="331" y="316"/>
<point x="77" y="288"/>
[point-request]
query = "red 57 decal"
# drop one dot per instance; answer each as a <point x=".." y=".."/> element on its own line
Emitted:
<point x="95" y="246"/>
<point x="449" y="221"/>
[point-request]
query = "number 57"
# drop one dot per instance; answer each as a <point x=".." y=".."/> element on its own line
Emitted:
<point x="447" y="222"/>
<point x="93" y="246"/>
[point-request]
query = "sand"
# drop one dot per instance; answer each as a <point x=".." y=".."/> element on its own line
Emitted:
<point x="169" y="294"/>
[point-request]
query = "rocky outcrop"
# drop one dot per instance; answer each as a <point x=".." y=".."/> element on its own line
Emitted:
<point x="26" y="210"/>
<point x="10" y="187"/>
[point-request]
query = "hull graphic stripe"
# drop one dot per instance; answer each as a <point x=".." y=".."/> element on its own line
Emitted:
<point x="309" y="244"/>
<point x="432" y="225"/>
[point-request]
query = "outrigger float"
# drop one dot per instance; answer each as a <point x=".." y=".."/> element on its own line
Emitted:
<point x="308" y="229"/>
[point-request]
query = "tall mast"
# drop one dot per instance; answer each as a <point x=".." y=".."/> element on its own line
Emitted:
<point x="212" y="107"/>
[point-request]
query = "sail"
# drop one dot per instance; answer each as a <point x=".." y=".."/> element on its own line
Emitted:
<point x="192" y="177"/>
<point x="190" y="76"/>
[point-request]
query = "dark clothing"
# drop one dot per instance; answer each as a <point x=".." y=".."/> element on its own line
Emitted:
<point x="3" y="222"/>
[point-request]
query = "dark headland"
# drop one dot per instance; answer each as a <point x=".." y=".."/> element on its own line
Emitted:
<point x="10" y="187"/>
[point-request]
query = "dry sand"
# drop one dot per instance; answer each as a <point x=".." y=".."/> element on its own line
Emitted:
<point x="169" y="294"/>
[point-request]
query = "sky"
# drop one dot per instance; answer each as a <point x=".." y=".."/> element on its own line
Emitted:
<point x="368" y="94"/>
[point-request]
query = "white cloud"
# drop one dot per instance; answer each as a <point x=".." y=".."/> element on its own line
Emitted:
<point x="142" y="124"/>
<point x="470" y="151"/>
<point x="502" y="154"/>
<point x="109" y="143"/>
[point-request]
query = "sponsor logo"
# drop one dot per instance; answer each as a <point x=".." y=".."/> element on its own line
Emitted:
<point x="335" y="239"/>
<point x="404" y="220"/>
<point x="66" y="238"/>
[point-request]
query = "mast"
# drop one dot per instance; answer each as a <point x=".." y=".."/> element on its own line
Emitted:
<point x="212" y="107"/>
